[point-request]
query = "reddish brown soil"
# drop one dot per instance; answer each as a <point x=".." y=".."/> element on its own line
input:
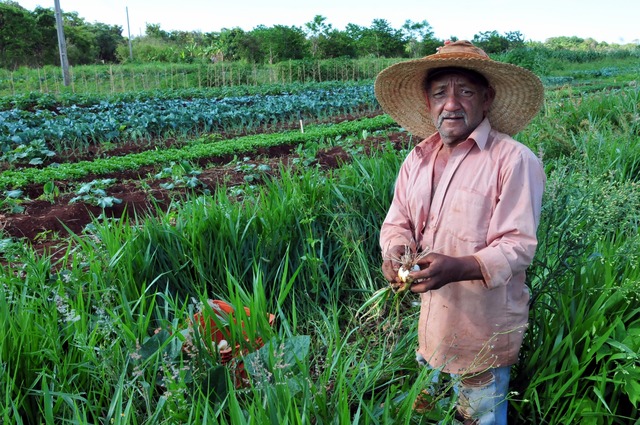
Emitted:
<point x="46" y="225"/>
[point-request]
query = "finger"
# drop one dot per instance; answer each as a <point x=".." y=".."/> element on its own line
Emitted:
<point x="420" y="286"/>
<point x="390" y="274"/>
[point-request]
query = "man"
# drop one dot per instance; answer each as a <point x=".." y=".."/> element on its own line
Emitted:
<point x="470" y="195"/>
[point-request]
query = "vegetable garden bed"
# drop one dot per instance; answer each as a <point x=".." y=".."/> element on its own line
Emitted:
<point x="45" y="217"/>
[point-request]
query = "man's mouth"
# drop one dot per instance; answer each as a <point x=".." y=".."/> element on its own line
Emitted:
<point x="451" y="117"/>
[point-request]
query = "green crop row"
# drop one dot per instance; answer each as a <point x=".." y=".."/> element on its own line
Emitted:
<point x="76" y="127"/>
<point x="32" y="101"/>
<point x="202" y="148"/>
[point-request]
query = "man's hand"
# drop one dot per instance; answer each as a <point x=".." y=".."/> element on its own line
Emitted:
<point x="390" y="263"/>
<point x="437" y="270"/>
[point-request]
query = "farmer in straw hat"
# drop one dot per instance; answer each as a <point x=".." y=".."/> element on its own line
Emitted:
<point x="470" y="196"/>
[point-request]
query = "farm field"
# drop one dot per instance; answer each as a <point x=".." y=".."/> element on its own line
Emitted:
<point x="124" y="214"/>
<point x="42" y="217"/>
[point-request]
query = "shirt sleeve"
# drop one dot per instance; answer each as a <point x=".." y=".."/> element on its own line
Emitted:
<point x="511" y="237"/>
<point x="397" y="228"/>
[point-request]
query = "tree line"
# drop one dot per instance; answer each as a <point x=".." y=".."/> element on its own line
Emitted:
<point x="28" y="38"/>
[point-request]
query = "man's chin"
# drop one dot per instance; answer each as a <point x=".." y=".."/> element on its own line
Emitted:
<point x="453" y="136"/>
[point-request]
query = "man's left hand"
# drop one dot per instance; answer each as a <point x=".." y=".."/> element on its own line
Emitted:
<point x="437" y="270"/>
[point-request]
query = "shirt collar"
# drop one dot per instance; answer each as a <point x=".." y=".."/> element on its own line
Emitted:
<point x="480" y="136"/>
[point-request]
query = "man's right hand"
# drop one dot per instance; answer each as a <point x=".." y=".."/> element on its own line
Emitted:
<point x="391" y="263"/>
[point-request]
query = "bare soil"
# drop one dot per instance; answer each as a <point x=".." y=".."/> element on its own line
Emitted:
<point x="46" y="225"/>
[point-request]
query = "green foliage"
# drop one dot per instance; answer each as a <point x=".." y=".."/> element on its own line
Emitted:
<point x="11" y="202"/>
<point x="379" y="40"/>
<point x="182" y="174"/>
<point x="253" y="173"/>
<point x="492" y="42"/>
<point x="201" y="148"/>
<point x="94" y="193"/>
<point x="108" y="334"/>
<point x="600" y="128"/>
<point x="532" y="58"/>
<point x="16" y="29"/>
<point x="50" y="191"/>
<point x="419" y="37"/>
<point x="580" y="356"/>
<point x="77" y="127"/>
<point x="30" y="38"/>
<point x="583" y="361"/>
<point x="278" y="43"/>
<point x="34" y="153"/>
<point x="34" y="100"/>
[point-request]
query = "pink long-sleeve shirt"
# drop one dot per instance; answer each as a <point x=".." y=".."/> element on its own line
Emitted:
<point x="487" y="204"/>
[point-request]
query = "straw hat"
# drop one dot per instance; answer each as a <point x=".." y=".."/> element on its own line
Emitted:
<point x="400" y="89"/>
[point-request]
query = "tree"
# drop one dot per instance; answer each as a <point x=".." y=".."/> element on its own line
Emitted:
<point x="46" y="46"/>
<point x="337" y="44"/>
<point x="380" y="40"/>
<point x="81" y="41"/>
<point x="280" y="42"/>
<point x="107" y="38"/>
<point x="317" y="30"/>
<point x="564" y="43"/>
<point x="30" y="38"/>
<point x="515" y="39"/>
<point x="250" y="49"/>
<point x="17" y="41"/>
<point x="229" y="43"/>
<point x="431" y="45"/>
<point x="493" y="42"/>
<point x="154" y="31"/>
<point x="418" y="35"/>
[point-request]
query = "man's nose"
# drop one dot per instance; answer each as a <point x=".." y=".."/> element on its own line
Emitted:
<point x="451" y="103"/>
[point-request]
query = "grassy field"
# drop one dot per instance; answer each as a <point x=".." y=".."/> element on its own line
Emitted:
<point x="110" y="333"/>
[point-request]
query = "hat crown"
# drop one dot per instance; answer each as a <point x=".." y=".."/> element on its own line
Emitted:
<point x="461" y="48"/>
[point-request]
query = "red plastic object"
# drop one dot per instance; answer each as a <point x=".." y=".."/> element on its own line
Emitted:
<point x="225" y="312"/>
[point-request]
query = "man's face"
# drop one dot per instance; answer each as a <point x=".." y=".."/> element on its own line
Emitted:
<point x="457" y="106"/>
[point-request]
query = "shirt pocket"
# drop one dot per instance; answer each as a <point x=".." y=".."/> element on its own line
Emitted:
<point x="467" y="216"/>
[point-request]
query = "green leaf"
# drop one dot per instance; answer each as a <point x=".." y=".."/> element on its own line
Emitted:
<point x="632" y="388"/>
<point x="14" y="194"/>
<point x="152" y="345"/>
<point x="285" y="355"/>
<point x="216" y="384"/>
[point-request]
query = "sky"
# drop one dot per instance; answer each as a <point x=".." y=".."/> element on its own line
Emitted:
<point x="537" y="20"/>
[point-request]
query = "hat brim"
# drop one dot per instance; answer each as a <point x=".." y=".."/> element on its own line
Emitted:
<point x="401" y="94"/>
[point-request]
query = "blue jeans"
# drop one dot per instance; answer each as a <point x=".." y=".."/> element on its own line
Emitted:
<point x="481" y="397"/>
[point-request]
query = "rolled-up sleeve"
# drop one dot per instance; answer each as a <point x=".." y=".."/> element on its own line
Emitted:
<point x="511" y="236"/>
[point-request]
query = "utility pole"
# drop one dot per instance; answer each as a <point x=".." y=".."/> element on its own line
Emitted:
<point x="62" y="45"/>
<point x="129" y="33"/>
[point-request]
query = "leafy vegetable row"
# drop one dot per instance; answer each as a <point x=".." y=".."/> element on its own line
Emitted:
<point x="14" y="179"/>
<point x="73" y="126"/>
<point x="35" y="100"/>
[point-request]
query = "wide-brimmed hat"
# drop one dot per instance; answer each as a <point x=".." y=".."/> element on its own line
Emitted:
<point x="518" y="92"/>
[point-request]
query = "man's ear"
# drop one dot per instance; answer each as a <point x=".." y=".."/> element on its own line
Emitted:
<point x="489" y="96"/>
